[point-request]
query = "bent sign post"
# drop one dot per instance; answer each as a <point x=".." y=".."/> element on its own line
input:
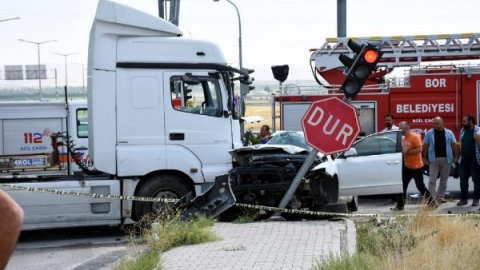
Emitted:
<point x="330" y="126"/>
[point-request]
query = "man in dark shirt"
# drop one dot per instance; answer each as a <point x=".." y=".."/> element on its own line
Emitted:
<point x="468" y="161"/>
<point x="438" y="154"/>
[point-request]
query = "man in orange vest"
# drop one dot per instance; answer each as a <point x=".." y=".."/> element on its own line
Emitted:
<point x="412" y="165"/>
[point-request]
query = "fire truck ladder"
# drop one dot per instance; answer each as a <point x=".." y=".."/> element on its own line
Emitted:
<point x="403" y="50"/>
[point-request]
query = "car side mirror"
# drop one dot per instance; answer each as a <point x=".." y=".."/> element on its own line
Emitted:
<point x="350" y="153"/>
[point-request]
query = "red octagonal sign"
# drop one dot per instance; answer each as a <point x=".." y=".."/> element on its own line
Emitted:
<point x="330" y="125"/>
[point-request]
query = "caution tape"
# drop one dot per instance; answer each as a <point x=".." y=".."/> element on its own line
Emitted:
<point x="242" y="205"/>
<point x="89" y="195"/>
<point x="348" y="215"/>
<point x="301" y="211"/>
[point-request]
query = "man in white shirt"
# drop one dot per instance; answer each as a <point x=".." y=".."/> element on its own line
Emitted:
<point x="389" y="123"/>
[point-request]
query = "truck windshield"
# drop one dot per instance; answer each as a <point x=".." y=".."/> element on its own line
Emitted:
<point x="200" y="95"/>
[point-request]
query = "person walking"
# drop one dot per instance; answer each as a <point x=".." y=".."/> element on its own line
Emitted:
<point x="469" y="166"/>
<point x="389" y="125"/>
<point x="412" y="165"/>
<point x="438" y="153"/>
<point x="11" y="216"/>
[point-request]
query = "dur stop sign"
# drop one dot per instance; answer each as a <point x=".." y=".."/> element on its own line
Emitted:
<point x="330" y="125"/>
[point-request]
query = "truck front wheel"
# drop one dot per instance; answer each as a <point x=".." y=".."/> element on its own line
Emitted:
<point x="160" y="186"/>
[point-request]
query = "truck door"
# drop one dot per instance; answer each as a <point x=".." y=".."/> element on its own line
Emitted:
<point x="197" y="121"/>
<point x="140" y="122"/>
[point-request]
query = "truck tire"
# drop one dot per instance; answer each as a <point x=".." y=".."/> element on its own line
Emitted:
<point x="161" y="186"/>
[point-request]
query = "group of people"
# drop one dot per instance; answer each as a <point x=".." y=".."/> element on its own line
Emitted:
<point x="440" y="151"/>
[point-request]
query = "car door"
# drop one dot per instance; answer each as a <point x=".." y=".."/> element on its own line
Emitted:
<point x="375" y="169"/>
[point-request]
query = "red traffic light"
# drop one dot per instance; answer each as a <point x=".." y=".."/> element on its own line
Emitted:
<point x="370" y="56"/>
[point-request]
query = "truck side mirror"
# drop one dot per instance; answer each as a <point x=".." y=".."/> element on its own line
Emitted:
<point x="246" y="80"/>
<point x="350" y="152"/>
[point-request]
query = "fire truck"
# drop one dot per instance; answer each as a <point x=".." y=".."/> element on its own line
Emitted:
<point x="428" y="88"/>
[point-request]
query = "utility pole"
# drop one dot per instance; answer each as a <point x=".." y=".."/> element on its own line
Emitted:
<point x="341" y="18"/>
<point x="65" y="55"/>
<point x="83" y="77"/>
<point x="240" y="60"/>
<point x="174" y="12"/>
<point x="38" y="54"/>
<point x="56" y="84"/>
<point x="83" y="80"/>
<point x="243" y="88"/>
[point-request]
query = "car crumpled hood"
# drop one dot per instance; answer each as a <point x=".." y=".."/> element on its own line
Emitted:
<point x="269" y="148"/>
<point x="244" y="155"/>
<point x="264" y="153"/>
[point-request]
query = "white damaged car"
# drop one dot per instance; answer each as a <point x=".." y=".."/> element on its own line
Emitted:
<point x="371" y="166"/>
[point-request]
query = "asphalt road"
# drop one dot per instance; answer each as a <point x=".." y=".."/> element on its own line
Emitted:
<point x="101" y="247"/>
<point x="80" y="248"/>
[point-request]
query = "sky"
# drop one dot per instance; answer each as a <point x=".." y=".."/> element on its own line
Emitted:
<point x="274" y="32"/>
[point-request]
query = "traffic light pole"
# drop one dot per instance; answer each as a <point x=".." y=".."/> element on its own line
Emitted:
<point x="341" y="18"/>
<point x="359" y="68"/>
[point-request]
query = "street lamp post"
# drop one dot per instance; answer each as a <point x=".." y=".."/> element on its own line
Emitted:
<point x="83" y="77"/>
<point x="65" y="55"/>
<point x="83" y="80"/>
<point x="240" y="62"/>
<point x="38" y="69"/>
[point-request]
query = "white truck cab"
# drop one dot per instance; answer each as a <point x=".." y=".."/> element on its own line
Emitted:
<point x="162" y="118"/>
<point x="158" y="102"/>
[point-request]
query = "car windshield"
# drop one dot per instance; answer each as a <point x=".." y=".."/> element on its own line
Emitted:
<point x="289" y="138"/>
